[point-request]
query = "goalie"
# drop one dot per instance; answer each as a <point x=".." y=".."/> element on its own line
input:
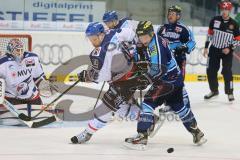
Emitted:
<point x="23" y="75"/>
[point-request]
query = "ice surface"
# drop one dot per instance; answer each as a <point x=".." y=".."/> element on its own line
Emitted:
<point x="217" y="118"/>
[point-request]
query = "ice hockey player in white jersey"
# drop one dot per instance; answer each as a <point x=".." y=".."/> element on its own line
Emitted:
<point x="111" y="62"/>
<point x="21" y="71"/>
<point x="112" y="21"/>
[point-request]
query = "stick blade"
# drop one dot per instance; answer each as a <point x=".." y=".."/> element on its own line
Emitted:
<point x="24" y="117"/>
<point x="44" y="122"/>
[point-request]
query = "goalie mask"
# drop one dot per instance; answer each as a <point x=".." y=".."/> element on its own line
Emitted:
<point x="15" y="48"/>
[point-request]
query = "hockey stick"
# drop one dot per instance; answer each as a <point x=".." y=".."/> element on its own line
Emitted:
<point x="99" y="94"/>
<point x="140" y="97"/>
<point x="63" y="93"/>
<point x="25" y="119"/>
<point x="9" y="106"/>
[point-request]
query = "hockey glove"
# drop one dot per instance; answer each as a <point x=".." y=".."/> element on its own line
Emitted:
<point x="82" y="76"/>
<point x="141" y="82"/>
<point x="181" y="50"/>
<point x="133" y="83"/>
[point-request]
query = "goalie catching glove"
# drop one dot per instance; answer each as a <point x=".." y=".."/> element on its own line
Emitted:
<point x="46" y="88"/>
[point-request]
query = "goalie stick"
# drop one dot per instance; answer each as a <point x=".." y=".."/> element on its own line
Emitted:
<point x="22" y="117"/>
<point x="25" y="119"/>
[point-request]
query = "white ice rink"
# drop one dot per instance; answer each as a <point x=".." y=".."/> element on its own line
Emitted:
<point x="217" y="118"/>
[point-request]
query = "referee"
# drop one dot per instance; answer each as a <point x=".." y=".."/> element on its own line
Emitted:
<point x="224" y="35"/>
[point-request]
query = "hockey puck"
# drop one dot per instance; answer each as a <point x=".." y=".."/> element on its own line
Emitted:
<point x="170" y="150"/>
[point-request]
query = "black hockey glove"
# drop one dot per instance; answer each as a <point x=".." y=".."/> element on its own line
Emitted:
<point x="181" y="50"/>
<point x="82" y="76"/>
<point x="142" y="66"/>
<point x="133" y="83"/>
<point x="143" y="81"/>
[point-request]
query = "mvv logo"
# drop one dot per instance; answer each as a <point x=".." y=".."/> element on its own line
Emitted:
<point x="24" y="72"/>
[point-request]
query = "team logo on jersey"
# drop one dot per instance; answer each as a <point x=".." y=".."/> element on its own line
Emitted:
<point x="30" y="62"/>
<point x="231" y="26"/>
<point x="153" y="50"/>
<point x="24" y="72"/>
<point x="216" y="24"/>
<point x="11" y="67"/>
<point x="96" y="51"/>
<point x="22" y="88"/>
<point x="178" y="29"/>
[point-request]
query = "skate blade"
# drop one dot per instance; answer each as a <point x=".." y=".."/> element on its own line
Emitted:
<point x="201" y="142"/>
<point x="213" y="98"/>
<point x="139" y="147"/>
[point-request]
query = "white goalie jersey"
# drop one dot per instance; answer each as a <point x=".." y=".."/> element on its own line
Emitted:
<point x="20" y="77"/>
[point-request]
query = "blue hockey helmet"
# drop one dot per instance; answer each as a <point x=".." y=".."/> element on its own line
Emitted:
<point x="110" y="16"/>
<point x="94" y="28"/>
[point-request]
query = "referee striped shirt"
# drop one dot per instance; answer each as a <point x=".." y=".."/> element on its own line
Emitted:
<point x="222" y="33"/>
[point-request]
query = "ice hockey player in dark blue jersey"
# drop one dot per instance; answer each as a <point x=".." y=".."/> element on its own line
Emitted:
<point x="167" y="86"/>
<point x="179" y="37"/>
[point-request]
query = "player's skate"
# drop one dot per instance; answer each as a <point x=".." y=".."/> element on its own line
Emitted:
<point x="138" y="142"/>
<point x="198" y="135"/>
<point x="211" y="95"/>
<point x="81" y="138"/>
<point x="231" y="97"/>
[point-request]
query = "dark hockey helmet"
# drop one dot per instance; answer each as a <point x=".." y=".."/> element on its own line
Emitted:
<point x="144" y="27"/>
<point x="175" y="8"/>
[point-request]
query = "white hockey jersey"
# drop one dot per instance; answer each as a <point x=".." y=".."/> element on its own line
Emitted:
<point x="108" y="60"/>
<point x="127" y="23"/>
<point x="20" y="76"/>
